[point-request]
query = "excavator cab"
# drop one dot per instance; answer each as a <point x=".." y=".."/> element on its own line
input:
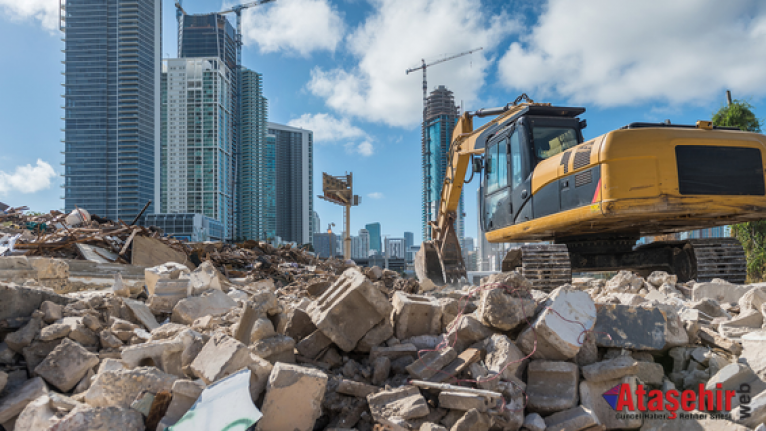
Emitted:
<point x="511" y="155"/>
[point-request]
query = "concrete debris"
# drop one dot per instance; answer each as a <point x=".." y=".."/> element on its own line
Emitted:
<point x="323" y="344"/>
<point x="302" y="389"/>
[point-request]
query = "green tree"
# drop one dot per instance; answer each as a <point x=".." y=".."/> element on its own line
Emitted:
<point x="751" y="234"/>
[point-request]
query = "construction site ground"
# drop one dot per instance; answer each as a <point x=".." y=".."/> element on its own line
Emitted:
<point x="111" y="326"/>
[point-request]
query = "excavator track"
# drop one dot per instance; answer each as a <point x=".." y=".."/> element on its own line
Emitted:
<point x="720" y="258"/>
<point x="546" y="266"/>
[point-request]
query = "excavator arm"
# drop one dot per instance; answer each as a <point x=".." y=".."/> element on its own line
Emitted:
<point x="440" y="259"/>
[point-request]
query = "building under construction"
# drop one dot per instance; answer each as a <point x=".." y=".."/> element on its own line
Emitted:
<point x="441" y="117"/>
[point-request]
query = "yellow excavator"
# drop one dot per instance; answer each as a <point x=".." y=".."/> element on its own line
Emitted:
<point x="585" y="205"/>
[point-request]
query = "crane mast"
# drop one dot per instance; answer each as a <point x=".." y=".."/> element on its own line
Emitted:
<point x="424" y="67"/>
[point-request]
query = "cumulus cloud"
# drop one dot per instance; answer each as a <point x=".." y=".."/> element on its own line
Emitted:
<point x="27" y="179"/>
<point x="365" y="148"/>
<point x="375" y="195"/>
<point x="621" y="53"/>
<point x="327" y="128"/>
<point x="298" y="26"/>
<point x="44" y="11"/>
<point x="393" y="38"/>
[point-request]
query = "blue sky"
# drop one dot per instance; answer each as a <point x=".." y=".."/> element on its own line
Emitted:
<point x="338" y="67"/>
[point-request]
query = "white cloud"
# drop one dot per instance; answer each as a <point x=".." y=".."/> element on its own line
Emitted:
<point x="44" y="11"/>
<point x="394" y="37"/>
<point x="365" y="148"/>
<point x="327" y="128"/>
<point x="375" y="195"/>
<point x="620" y="53"/>
<point x="299" y="26"/>
<point x="27" y="179"/>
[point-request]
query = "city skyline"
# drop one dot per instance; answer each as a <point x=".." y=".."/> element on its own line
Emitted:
<point x="339" y="78"/>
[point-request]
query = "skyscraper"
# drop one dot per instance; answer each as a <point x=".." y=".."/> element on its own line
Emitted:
<point x="294" y="157"/>
<point x="375" y="243"/>
<point x="257" y="176"/>
<point x="441" y="117"/>
<point x="208" y="36"/>
<point x="197" y="145"/>
<point x="112" y="98"/>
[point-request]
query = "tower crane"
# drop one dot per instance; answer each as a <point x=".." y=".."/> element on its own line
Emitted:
<point x="425" y="66"/>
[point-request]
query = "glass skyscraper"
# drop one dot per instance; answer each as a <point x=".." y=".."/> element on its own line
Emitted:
<point x="294" y="158"/>
<point x="375" y="243"/>
<point x="441" y="117"/>
<point x="257" y="164"/>
<point x="112" y="97"/>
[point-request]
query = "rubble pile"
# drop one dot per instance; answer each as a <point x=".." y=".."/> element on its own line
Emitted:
<point x="272" y="338"/>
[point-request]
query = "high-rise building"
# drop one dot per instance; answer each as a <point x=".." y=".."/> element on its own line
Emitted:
<point x="360" y="245"/>
<point x="326" y="245"/>
<point x="315" y="223"/>
<point x="197" y="145"/>
<point x="409" y="239"/>
<point x="441" y="116"/>
<point x="207" y="36"/>
<point x="375" y="242"/>
<point x="396" y="248"/>
<point x="294" y="157"/>
<point x="112" y="105"/>
<point x="257" y="174"/>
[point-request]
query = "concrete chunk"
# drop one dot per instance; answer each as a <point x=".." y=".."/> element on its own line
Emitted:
<point x="732" y="377"/>
<point x="551" y="386"/>
<point x="616" y="368"/>
<point x="313" y="345"/>
<point x="211" y="303"/>
<point x="16" y="341"/>
<point x="143" y="313"/>
<point x="356" y="389"/>
<point x="13" y="403"/>
<point x="460" y="364"/>
<point x="560" y="326"/>
<point x="404" y="402"/>
<point x="167" y="271"/>
<point x="711" y="338"/>
<point x="106" y="418"/>
<point x="376" y="336"/>
<point x="120" y="388"/>
<point x="591" y="397"/>
<point x="472" y="420"/>
<point x="534" y="422"/>
<point x="37" y="415"/>
<point x="66" y="365"/>
<point x="349" y="308"/>
<point x="630" y="327"/>
<point x="416" y="315"/>
<point x="185" y="394"/>
<point x="504" y="357"/>
<point x="300" y="388"/>
<point x="721" y="292"/>
<point x="505" y="310"/>
<point x="220" y="357"/>
<point x="574" y="419"/>
<point x="51" y="310"/>
<point x="167" y="294"/>
<point x="275" y="349"/>
<point x="463" y="401"/>
<point x="430" y="364"/>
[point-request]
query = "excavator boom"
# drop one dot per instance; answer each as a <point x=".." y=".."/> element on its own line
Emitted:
<point x="441" y="259"/>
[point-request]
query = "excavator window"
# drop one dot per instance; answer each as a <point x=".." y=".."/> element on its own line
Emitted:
<point x="550" y="141"/>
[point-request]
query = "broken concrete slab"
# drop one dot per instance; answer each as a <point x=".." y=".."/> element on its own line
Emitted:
<point x="559" y="328"/>
<point x="220" y="357"/>
<point x="460" y="364"/>
<point x="206" y="277"/>
<point x="394" y="352"/>
<point x="21" y="301"/>
<point x="463" y="401"/>
<point x="16" y="341"/>
<point x="275" y="349"/>
<point x="503" y="357"/>
<point x="120" y="388"/>
<point x="505" y="309"/>
<point x="52" y="311"/>
<point x="415" y="315"/>
<point x="711" y="338"/>
<point x="629" y="327"/>
<point x="754" y="298"/>
<point x="431" y="363"/>
<point x="37" y="415"/>
<point x="755" y="414"/>
<point x="551" y="386"/>
<point x="166" y="271"/>
<point x="591" y="397"/>
<point x="754" y="351"/>
<point x="721" y="292"/>
<point x="466" y="330"/>
<point x="167" y="294"/>
<point x="650" y="373"/>
<point x="612" y="369"/>
<point x="404" y="402"/>
<point x="574" y="419"/>
<point x="732" y="378"/>
<point x="143" y="313"/>
<point x="211" y="303"/>
<point x="66" y="365"/>
<point x="13" y="404"/>
<point x="376" y="336"/>
<point x="300" y="388"/>
<point x="106" y="418"/>
<point x="355" y="389"/>
<point x="349" y="308"/>
<point x="54" y="332"/>
<point x="313" y="345"/>
<point x="185" y="394"/>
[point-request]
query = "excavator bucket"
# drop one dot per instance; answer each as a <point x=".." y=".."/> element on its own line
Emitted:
<point x="428" y="263"/>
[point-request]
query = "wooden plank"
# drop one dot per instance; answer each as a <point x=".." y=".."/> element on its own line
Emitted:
<point x="150" y="252"/>
<point x="127" y="243"/>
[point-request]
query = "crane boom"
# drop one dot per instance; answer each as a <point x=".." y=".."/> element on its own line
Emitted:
<point x="424" y="65"/>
